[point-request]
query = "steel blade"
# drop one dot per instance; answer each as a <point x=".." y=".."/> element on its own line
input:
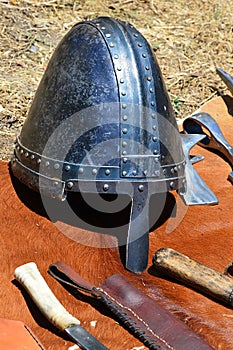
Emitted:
<point x="196" y="191"/>
<point x="83" y="338"/>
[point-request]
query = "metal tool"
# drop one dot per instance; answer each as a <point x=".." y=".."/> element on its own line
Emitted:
<point x="196" y="191"/>
<point x="213" y="138"/>
<point x="196" y="159"/>
<point x="31" y="279"/>
<point x="227" y="78"/>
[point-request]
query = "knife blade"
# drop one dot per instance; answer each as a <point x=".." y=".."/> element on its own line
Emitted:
<point x="31" y="279"/>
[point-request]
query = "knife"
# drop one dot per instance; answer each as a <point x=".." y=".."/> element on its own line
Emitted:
<point x="31" y="279"/>
<point x="192" y="273"/>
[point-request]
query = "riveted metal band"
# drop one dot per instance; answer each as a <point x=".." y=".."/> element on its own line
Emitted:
<point x="53" y="188"/>
<point x="57" y="169"/>
<point x="131" y="57"/>
<point x="57" y="188"/>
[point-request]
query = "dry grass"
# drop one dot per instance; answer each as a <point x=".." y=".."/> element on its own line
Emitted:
<point x="190" y="38"/>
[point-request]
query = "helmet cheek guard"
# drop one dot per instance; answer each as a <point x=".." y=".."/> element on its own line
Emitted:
<point x="101" y="122"/>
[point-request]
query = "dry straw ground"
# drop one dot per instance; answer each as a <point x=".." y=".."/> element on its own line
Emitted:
<point x="189" y="37"/>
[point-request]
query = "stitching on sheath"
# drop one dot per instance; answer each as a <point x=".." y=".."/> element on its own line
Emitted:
<point x="139" y="318"/>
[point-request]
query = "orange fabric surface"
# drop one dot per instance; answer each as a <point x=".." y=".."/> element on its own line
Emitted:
<point x="204" y="233"/>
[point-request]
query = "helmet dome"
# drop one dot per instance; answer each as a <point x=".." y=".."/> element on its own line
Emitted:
<point x="101" y="119"/>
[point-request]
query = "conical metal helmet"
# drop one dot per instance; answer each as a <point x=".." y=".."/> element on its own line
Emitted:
<point x="101" y="121"/>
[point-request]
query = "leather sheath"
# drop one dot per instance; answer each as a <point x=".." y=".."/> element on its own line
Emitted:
<point x="144" y="317"/>
<point x="16" y="335"/>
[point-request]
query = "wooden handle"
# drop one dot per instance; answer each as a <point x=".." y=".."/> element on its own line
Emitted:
<point x="31" y="279"/>
<point x="190" y="272"/>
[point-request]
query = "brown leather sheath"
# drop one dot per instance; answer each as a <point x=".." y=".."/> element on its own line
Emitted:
<point x="155" y="326"/>
<point x="16" y="335"/>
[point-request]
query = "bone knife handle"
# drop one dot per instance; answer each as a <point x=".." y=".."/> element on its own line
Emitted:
<point x="31" y="279"/>
<point x="194" y="274"/>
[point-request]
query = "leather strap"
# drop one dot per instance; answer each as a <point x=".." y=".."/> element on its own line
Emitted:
<point x="63" y="273"/>
<point x="155" y="326"/>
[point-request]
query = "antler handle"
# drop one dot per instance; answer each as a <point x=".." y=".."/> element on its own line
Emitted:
<point x="31" y="279"/>
<point x="192" y="273"/>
